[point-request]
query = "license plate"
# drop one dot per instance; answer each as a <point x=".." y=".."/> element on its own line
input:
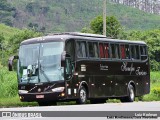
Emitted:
<point x="39" y="96"/>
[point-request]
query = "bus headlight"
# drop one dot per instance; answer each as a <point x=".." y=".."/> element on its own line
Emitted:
<point x="22" y="91"/>
<point x="58" y="89"/>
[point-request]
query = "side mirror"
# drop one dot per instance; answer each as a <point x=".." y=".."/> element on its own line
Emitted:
<point x="10" y="62"/>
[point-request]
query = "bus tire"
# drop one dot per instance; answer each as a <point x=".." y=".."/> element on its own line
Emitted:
<point x="131" y="95"/>
<point x="82" y="96"/>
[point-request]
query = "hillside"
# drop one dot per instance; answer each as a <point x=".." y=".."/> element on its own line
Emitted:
<point x="7" y="31"/>
<point x="73" y="15"/>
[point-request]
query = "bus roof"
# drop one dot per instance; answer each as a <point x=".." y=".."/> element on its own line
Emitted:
<point x="76" y="35"/>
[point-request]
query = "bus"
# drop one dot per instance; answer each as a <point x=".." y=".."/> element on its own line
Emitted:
<point x="81" y="67"/>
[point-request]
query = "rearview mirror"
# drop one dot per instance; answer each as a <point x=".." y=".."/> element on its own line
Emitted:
<point x="10" y="62"/>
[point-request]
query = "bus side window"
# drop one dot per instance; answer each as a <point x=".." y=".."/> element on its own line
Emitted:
<point x="117" y="51"/>
<point x="93" y="49"/>
<point x="143" y="51"/>
<point x="70" y="49"/>
<point x="81" y="49"/>
<point x="101" y="50"/>
<point x="95" y="45"/>
<point x="106" y="47"/>
<point x="137" y="52"/>
<point x="123" y="53"/>
<point x="127" y="51"/>
<point x="113" y="51"/>
<point x="133" y="54"/>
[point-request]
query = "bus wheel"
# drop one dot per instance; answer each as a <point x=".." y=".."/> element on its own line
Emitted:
<point x="47" y="103"/>
<point x="131" y="95"/>
<point x="82" y="96"/>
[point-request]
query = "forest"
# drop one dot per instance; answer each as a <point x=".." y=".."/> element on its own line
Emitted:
<point x="72" y="15"/>
<point x="149" y="6"/>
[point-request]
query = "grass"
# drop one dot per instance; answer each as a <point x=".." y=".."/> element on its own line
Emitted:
<point x="15" y="102"/>
<point x="7" y="31"/>
<point x="9" y="97"/>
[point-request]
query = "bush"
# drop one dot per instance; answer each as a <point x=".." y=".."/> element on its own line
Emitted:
<point x="156" y="91"/>
<point x="8" y="82"/>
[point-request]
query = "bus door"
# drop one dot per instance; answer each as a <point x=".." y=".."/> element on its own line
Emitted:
<point x="69" y="84"/>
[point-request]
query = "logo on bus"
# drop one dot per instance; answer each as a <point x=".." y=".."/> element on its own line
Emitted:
<point x="140" y="72"/>
<point x="103" y="67"/>
<point x="130" y="69"/>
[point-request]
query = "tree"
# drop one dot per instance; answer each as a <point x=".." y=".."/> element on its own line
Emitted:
<point x="16" y="39"/>
<point x="113" y="27"/>
<point x="152" y="38"/>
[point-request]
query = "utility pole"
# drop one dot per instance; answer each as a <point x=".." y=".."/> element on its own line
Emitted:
<point x="104" y="17"/>
<point x="1" y="52"/>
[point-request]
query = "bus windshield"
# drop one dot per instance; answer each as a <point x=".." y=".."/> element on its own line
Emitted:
<point x="40" y="62"/>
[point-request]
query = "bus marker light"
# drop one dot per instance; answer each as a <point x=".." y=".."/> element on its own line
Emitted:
<point x="92" y="84"/>
<point x="146" y="83"/>
<point x="62" y="94"/>
<point x="75" y="73"/>
<point x="104" y="84"/>
<point x="20" y="97"/>
<point x="75" y="91"/>
<point x="137" y="83"/>
<point x="69" y="91"/>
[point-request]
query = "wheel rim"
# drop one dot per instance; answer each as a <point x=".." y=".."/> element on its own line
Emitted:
<point x="83" y="95"/>
<point x="132" y="94"/>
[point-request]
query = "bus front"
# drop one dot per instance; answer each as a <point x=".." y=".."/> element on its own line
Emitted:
<point x="40" y="72"/>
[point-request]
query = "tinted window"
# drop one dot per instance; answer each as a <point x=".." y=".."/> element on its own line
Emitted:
<point x="113" y="51"/>
<point x="143" y="51"/>
<point x="133" y="54"/>
<point x="101" y="50"/>
<point x="137" y="52"/>
<point x="70" y="49"/>
<point x="127" y="51"/>
<point x="106" y="48"/>
<point x="93" y="49"/>
<point x="117" y="53"/>
<point x="123" y="53"/>
<point x="81" y="49"/>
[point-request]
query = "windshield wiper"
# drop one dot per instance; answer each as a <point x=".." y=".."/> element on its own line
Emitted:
<point x="44" y="74"/>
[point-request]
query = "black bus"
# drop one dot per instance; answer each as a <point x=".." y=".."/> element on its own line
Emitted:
<point x="81" y="67"/>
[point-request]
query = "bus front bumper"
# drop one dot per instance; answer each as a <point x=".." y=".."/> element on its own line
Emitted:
<point x="31" y="97"/>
